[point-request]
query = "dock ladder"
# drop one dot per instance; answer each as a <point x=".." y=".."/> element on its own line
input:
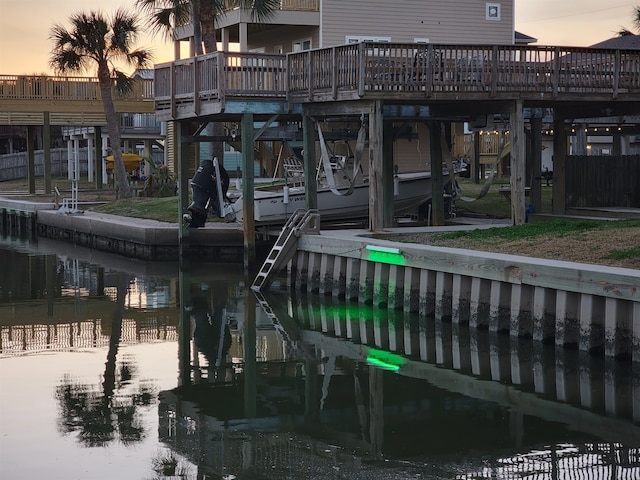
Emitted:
<point x="301" y="221"/>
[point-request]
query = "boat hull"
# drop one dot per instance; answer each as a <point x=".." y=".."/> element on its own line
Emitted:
<point x="270" y="207"/>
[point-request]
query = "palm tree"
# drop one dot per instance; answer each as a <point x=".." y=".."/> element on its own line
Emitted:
<point x="95" y="41"/>
<point x="166" y="15"/>
<point x="623" y="32"/>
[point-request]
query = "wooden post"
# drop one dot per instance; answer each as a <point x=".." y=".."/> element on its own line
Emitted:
<point x="182" y="156"/>
<point x="31" y="161"/>
<point x="437" y="186"/>
<point x="518" y="171"/>
<point x="46" y="145"/>
<point x="559" y="157"/>
<point x="376" y="162"/>
<point x="536" y="163"/>
<point x="248" y="208"/>
<point x="309" y="159"/>
<point x="99" y="159"/>
<point x="475" y="171"/>
<point x="388" y="196"/>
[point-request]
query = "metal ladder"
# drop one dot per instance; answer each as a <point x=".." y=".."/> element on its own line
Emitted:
<point x="301" y="221"/>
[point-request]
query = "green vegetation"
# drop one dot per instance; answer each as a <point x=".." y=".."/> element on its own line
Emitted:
<point x="493" y="203"/>
<point x="625" y="254"/>
<point x="163" y="209"/>
<point x="553" y="228"/>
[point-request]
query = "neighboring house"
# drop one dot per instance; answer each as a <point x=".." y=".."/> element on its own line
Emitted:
<point x="609" y="135"/>
<point x="307" y="24"/>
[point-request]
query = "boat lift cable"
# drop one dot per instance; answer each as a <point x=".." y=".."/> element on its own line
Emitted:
<point x="329" y="167"/>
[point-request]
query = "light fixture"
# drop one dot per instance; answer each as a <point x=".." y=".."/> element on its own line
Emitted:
<point x="379" y="249"/>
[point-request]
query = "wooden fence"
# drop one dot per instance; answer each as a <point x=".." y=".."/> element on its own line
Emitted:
<point x="603" y="181"/>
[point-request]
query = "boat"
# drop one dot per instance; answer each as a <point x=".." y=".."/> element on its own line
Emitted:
<point x="347" y="199"/>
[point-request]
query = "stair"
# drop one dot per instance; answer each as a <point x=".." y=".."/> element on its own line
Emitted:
<point x="301" y="221"/>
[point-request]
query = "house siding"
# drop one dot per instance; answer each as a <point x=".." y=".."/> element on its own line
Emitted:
<point x="284" y="36"/>
<point x="452" y="21"/>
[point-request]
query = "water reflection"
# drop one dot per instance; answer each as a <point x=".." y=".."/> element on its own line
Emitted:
<point x="177" y="371"/>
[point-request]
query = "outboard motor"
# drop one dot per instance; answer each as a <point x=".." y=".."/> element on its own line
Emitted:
<point x="205" y="193"/>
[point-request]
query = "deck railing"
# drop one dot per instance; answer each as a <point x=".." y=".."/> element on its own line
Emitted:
<point x="217" y="76"/>
<point x="43" y="88"/>
<point x="289" y="5"/>
<point x="430" y="69"/>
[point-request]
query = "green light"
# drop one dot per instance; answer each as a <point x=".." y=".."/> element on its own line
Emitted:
<point x="385" y="360"/>
<point x="378" y="248"/>
<point x="389" y="255"/>
<point x="380" y="364"/>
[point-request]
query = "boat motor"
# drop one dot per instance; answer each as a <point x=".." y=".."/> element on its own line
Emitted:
<point x="206" y="196"/>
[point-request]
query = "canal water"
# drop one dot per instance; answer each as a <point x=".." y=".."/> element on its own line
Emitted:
<point x="116" y="368"/>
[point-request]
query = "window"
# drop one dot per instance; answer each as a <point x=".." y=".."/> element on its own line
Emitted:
<point x="278" y="49"/>
<point x="360" y="38"/>
<point x="300" y="45"/>
<point x="492" y="11"/>
<point x="420" y="40"/>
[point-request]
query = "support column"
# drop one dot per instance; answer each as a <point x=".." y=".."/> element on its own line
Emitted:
<point x="69" y="157"/>
<point x="536" y="163"/>
<point x="224" y="34"/>
<point x="182" y="156"/>
<point x="388" y="197"/>
<point x="518" y="171"/>
<point x="475" y="171"/>
<point x="244" y="44"/>
<point x="559" y="206"/>
<point x="91" y="159"/>
<point x="46" y="145"/>
<point x="580" y="147"/>
<point x="31" y="161"/>
<point x="248" y="207"/>
<point x="437" y="187"/>
<point x="376" y="162"/>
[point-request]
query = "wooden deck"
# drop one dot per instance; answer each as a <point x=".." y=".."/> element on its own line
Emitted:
<point x="401" y="73"/>
<point x="70" y="100"/>
<point x="411" y="74"/>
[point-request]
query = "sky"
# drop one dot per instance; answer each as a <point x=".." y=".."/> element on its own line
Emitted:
<point x="25" y="26"/>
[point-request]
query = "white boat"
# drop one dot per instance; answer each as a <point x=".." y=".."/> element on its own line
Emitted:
<point x="273" y="207"/>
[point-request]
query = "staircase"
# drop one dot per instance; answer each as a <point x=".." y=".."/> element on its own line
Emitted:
<point x="301" y="221"/>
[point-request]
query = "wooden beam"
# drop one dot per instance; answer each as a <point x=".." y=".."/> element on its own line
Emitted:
<point x="437" y="185"/>
<point x="559" y="158"/>
<point x="518" y="170"/>
<point x="376" y="168"/>
<point x="182" y="156"/>
<point x="46" y="145"/>
<point x="99" y="160"/>
<point x="387" y="174"/>
<point x="536" y="163"/>
<point x="31" y="162"/>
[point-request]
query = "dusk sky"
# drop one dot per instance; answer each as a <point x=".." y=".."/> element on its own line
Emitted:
<point x="25" y="26"/>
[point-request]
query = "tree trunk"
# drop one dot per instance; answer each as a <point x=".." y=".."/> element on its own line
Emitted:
<point x="113" y="129"/>
<point x="196" y="18"/>
<point x="207" y="15"/>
